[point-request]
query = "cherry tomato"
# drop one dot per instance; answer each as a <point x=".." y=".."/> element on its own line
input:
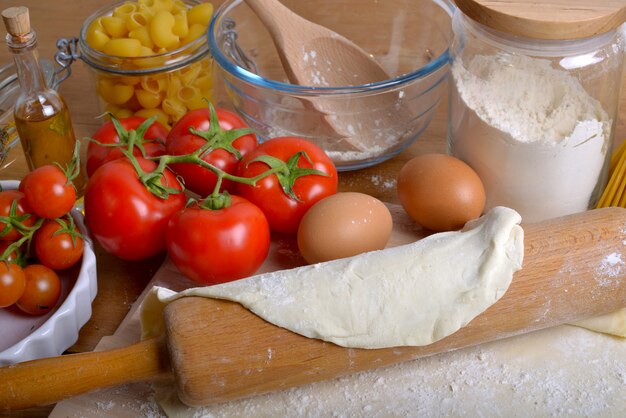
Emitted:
<point x="215" y="246"/>
<point x="58" y="244"/>
<point x="42" y="292"/>
<point x="181" y="141"/>
<point x="282" y="211"/>
<point x="154" y="144"/>
<point x="48" y="192"/>
<point x="23" y="213"/>
<point x="124" y="217"/>
<point x="12" y="283"/>
<point x="13" y="256"/>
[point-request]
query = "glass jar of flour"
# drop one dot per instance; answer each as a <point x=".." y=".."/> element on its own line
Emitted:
<point x="534" y="101"/>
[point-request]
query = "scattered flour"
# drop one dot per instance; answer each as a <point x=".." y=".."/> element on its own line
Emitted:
<point x="105" y="406"/>
<point x="539" y="375"/>
<point x="316" y="77"/>
<point x="610" y="267"/>
<point x="377" y="180"/>
<point x="354" y="156"/>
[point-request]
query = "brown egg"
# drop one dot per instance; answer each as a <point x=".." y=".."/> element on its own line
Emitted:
<point x="343" y="225"/>
<point x="440" y="192"/>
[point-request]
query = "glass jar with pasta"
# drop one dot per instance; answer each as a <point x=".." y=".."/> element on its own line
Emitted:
<point x="149" y="57"/>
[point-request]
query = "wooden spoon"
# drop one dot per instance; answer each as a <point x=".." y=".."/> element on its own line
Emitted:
<point x="315" y="56"/>
<point x="305" y="49"/>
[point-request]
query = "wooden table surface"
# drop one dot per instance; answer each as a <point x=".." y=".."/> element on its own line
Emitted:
<point x="121" y="282"/>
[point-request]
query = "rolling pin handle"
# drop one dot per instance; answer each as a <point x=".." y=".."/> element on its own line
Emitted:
<point x="49" y="380"/>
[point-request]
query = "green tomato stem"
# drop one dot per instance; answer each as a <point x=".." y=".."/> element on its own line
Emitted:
<point x="215" y="138"/>
<point x="27" y="233"/>
<point x="218" y="184"/>
<point x="194" y="158"/>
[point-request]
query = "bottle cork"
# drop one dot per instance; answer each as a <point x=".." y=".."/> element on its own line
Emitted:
<point x="16" y="20"/>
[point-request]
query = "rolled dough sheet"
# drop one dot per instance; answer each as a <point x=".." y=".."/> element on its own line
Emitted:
<point x="410" y="295"/>
<point x="613" y="323"/>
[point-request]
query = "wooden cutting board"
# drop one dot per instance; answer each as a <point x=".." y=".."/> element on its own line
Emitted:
<point x="212" y="343"/>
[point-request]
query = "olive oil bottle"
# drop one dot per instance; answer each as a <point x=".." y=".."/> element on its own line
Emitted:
<point x="42" y="118"/>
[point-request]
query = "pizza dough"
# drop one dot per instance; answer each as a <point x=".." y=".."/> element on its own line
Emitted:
<point x="414" y="294"/>
<point x="613" y="323"/>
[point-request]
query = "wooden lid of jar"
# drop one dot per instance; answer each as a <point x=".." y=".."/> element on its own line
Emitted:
<point x="547" y="19"/>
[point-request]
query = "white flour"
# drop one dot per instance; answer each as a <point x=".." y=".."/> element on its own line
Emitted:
<point x="533" y="134"/>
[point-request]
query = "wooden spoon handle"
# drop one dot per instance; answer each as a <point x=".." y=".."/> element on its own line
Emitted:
<point x="274" y="15"/>
<point x="45" y="381"/>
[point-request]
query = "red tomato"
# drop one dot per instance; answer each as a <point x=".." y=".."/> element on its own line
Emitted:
<point x="13" y="256"/>
<point x="48" y="192"/>
<point x="282" y="211"/>
<point x="23" y="214"/>
<point x="216" y="246"/>
<point x="42" y="292"/>
<point x="181" y="141"/>
<point x="58" y="244"/>
<point x="127" y="219"/>
<point x="12" y="283"/>
<point x="154" y="144"/>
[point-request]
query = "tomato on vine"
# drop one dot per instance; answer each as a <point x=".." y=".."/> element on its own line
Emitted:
<point x="303" y="175"/>
<point x="10" y="256"/>
<point x="128" y="204"/>
<point x="42" y="291"/>
<point x="12" y="283"/>
<point x="215" y="243"/>
<point x="147" y="137"/>
<point x="224" y="139"/>
<point x="58" y="244"/>
<point x="48" y="191"/>
<point x="15" y="215"/>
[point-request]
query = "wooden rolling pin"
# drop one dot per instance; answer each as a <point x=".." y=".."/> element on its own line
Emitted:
<point x="219" y="351"/>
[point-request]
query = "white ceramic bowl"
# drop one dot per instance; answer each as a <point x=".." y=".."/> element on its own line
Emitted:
<point x="26" y="337"/>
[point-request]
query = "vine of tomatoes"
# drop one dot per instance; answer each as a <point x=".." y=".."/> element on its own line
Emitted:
<point x="138" y="205"/>
<point x="38" y="236"/>
<point x="304" y="176"/>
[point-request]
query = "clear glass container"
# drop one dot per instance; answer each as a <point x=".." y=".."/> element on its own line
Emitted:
<point x="9" y="91"/>
<point x="165" y="84"/>
<point x="364" y="124"/>
<point x="535" y="118"/>
<point x="41" y="117"/>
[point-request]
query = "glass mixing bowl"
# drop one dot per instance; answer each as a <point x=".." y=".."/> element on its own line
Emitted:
<point x="409" y="38"/>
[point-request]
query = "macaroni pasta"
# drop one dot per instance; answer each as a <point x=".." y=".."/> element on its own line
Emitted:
<point x="148" y="30"/>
